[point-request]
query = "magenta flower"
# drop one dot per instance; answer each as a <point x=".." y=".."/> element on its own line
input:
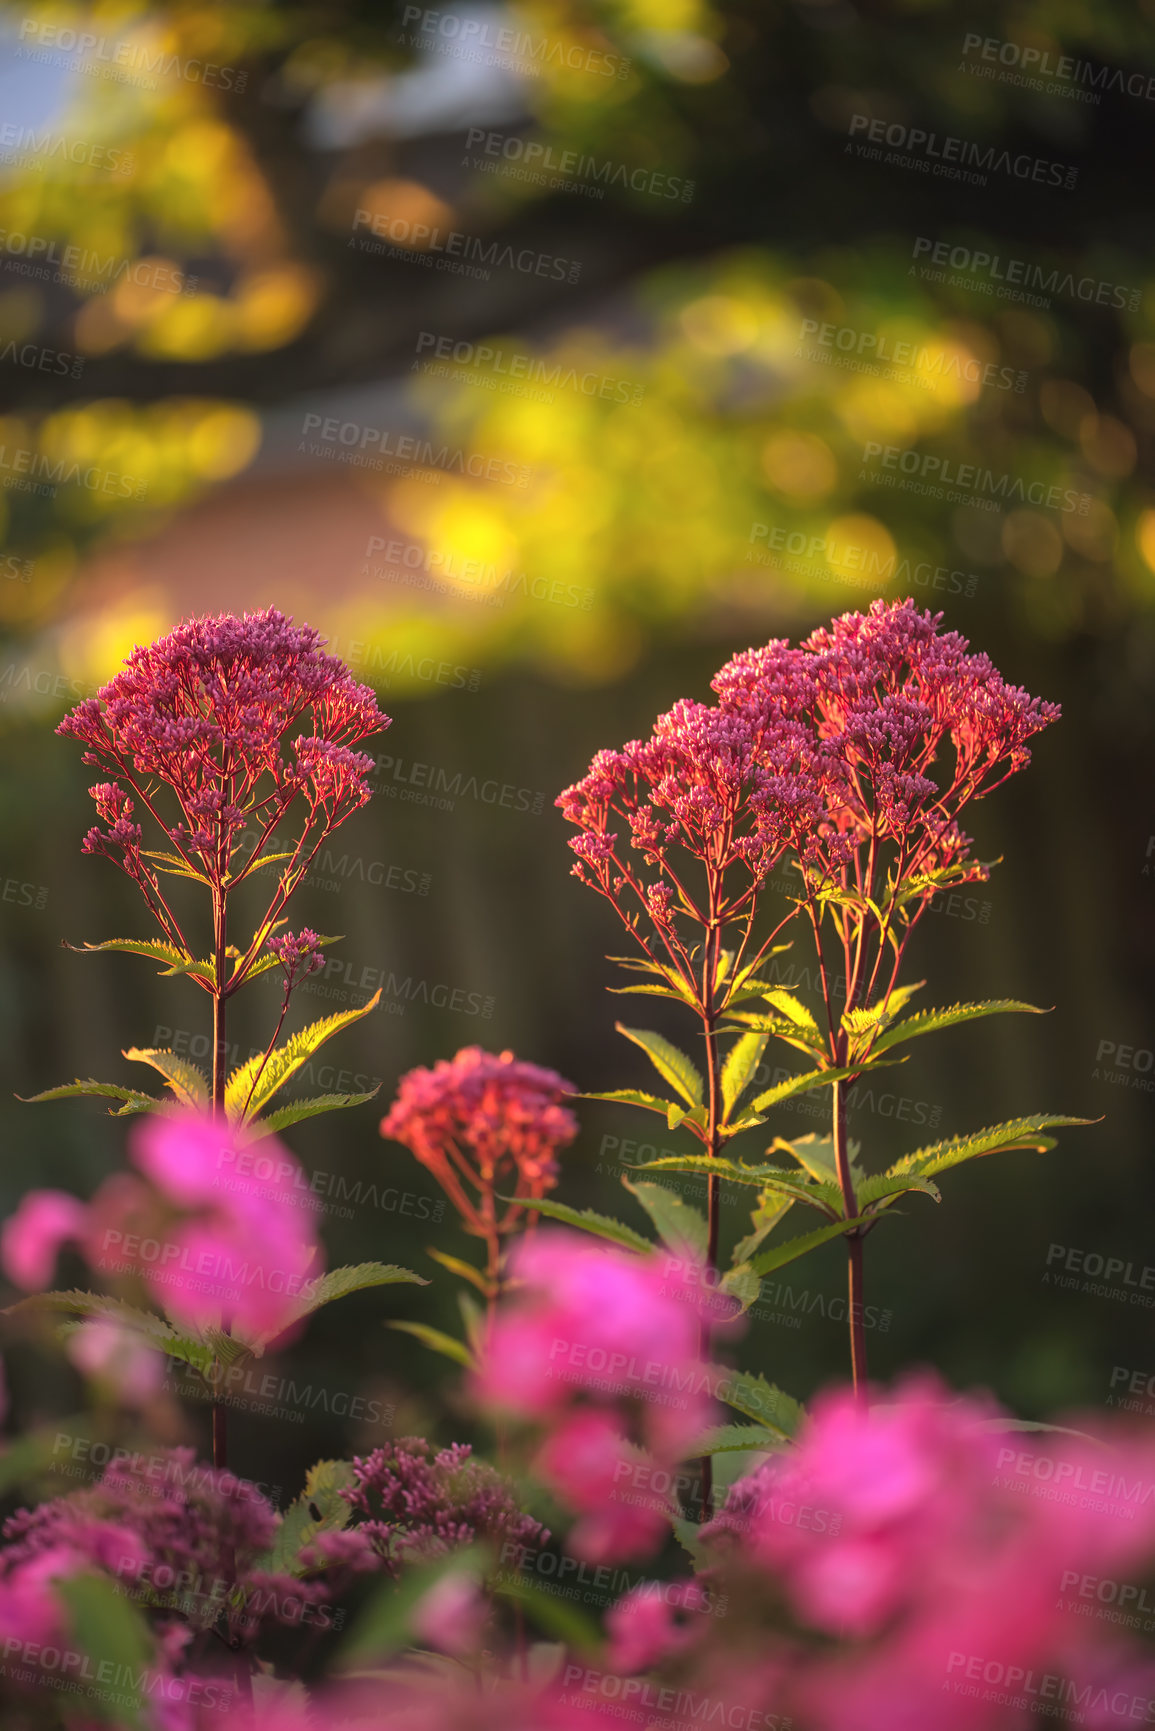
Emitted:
<point x="604" y="1347"/>
<point x="416" y="1504"/>
<point x="485" y="1125"/>
<point x="213" y="1250"/>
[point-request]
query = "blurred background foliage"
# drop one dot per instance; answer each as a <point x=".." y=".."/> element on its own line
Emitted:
<point x="183" y="303"/>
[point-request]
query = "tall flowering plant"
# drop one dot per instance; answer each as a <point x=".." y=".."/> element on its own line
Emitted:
<point x="235" y="738"/>
<point x="848" y="761"/>
<point x="488" y="1126"/>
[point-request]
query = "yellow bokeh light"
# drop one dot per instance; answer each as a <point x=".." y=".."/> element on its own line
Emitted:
<point x="95" y="648"/>
<point x="1032" y="543"/>
<point x="799" y="465"/>
<point x="223" y="442"/>
<point x="1145" y="537"/>
<point x="719" y="324"/>
<point x="411" y="210"/>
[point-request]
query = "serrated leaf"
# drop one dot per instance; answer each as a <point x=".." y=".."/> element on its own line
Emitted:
<point x="601" y="1225"/>
<point x="173" y="866"/>
<point x="653" y="990"/>
<point x="156" y="1331"/>
<point x="887" y="1190"/>
<point x="320" y="1508"/>
<point x="436" y="1340"/>
<point x="1016" y="1133"/>
<point x="729" y="1438"/>
<point x="928" y="1021"/>
<point x="779" y="1255"/>
<point x="749" y="1393"/>
<point x="297" y="1110"/>
<point x="681" y="1226"/>
<point x="109" y="1630"/>
<point x="741" y="1065"/>
<point x="633" y="1097"/>
<point x="188" y="1083"/>
<point x="672" y="1065"/>
<point x="815" y="1154"/>
<point x="466" y="1270"/>
<point x="741" y="1282"/>
<point x="340" y="1283"/>
<point x="134" y="1100"/>
<point x="791" y="1007"/>
<point x="803" y="1084"/>
<point x="177" y="961"/>
<point x="773" y="1207"/>
<point x="779" y="1027"/>
<point x="263" y="1077"/>
<point x="801" y="1189"/>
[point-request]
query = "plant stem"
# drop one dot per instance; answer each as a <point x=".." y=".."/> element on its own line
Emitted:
<point x="713" y="1182"/>
<point x="853" y="1244"/>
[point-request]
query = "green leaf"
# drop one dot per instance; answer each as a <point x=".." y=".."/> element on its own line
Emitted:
<point x="466" y="1270"/>
<point x="823" y="1193"/>
<point x="188" y="1083"/>
<point x="772" y="1208"/>
<point x="632" y="1097"/>
<point x="177" y="961"/>
<point x="558" y="1617"/>
<point x="780" y="1254"/>
<point x="156" y="1331"/>
<point x="339" y="1283"/>
<point x="653" y="990"/>
<point x="740" y="1067"/>
<point x="928" y="1021"/>
<point x="587" y="1221"/>
<point x="268" y="859"/>
<point x="320" y="1508"/>
<point x="134" y="1101"/>
<point x="749" y="1393"/>
<point x="999" y="1139"/>
<point x="681" y="1226"/>
<point x="792" y="1008"/>
<point x="742" y="1283"/>
<point x="803" y="1084"/>
<point x="284" y="1062"/>
<point x="780" y="1028"/>
<point x="728" y="1438"/>
<point x="884" y="1190"/>
<point x="815" y="1154"/>
<point x="173" y="866"/>
<point x="296" y="1110"/>
<point x="109" y="1629"/>
<point x="673" y="1066"/>
<point x="437" y="1341"/>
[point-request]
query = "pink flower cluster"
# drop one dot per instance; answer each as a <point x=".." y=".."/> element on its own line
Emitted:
<point x="811" y="751"/>
<point x="929" y="1558"/>
<point x="212" y="1250"/>
<point x="483" y="1122"/>
<point x="240" y="718"/>
<point x="603" y="1347"/>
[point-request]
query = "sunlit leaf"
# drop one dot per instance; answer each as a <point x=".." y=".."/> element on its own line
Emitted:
<point x="601" y="1225"/>
<point x="188" y="1083"/>
<point x="672" y="1065"/>
<point x="928" y="1021"/>
<point x="681" y="1226"/>
<point x="256" y="1081"/>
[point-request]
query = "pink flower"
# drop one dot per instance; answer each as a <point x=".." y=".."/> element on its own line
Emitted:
<point x="481" y="1123"/>
<point x="32" y="1237"/>
<point x="451" y="1615"/>
<point x="214" y="1251"/>
<point x="119" y="1357"/>
<point x="645" y="1628"/>
<point x="607" y="1346"/>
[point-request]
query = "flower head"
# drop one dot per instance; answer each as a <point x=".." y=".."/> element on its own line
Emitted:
<point x="486" y="1120"/>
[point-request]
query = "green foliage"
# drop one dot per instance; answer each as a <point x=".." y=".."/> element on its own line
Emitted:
<point x="436" y="1340"/>
<point x="188" y="1083"/>
<point x="176" y="960"/>
<point x="109" y="1629"/>
<point x="680" y="1226"/>
<point x="133" y="1100"/>
<point x="749" y="1393"/>
<point x="297" y="1110"/>
<point x="586" y="1221"/>
<point x="672" y="1065"/>
<point x="320" y="1508"/>
<point x="766" y="1261"/>
<point x="339" y="1283"/>
<point x="1016" y="1133"/>
<point x="251" y="1086"/>
<point x="929" y="1021"/>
